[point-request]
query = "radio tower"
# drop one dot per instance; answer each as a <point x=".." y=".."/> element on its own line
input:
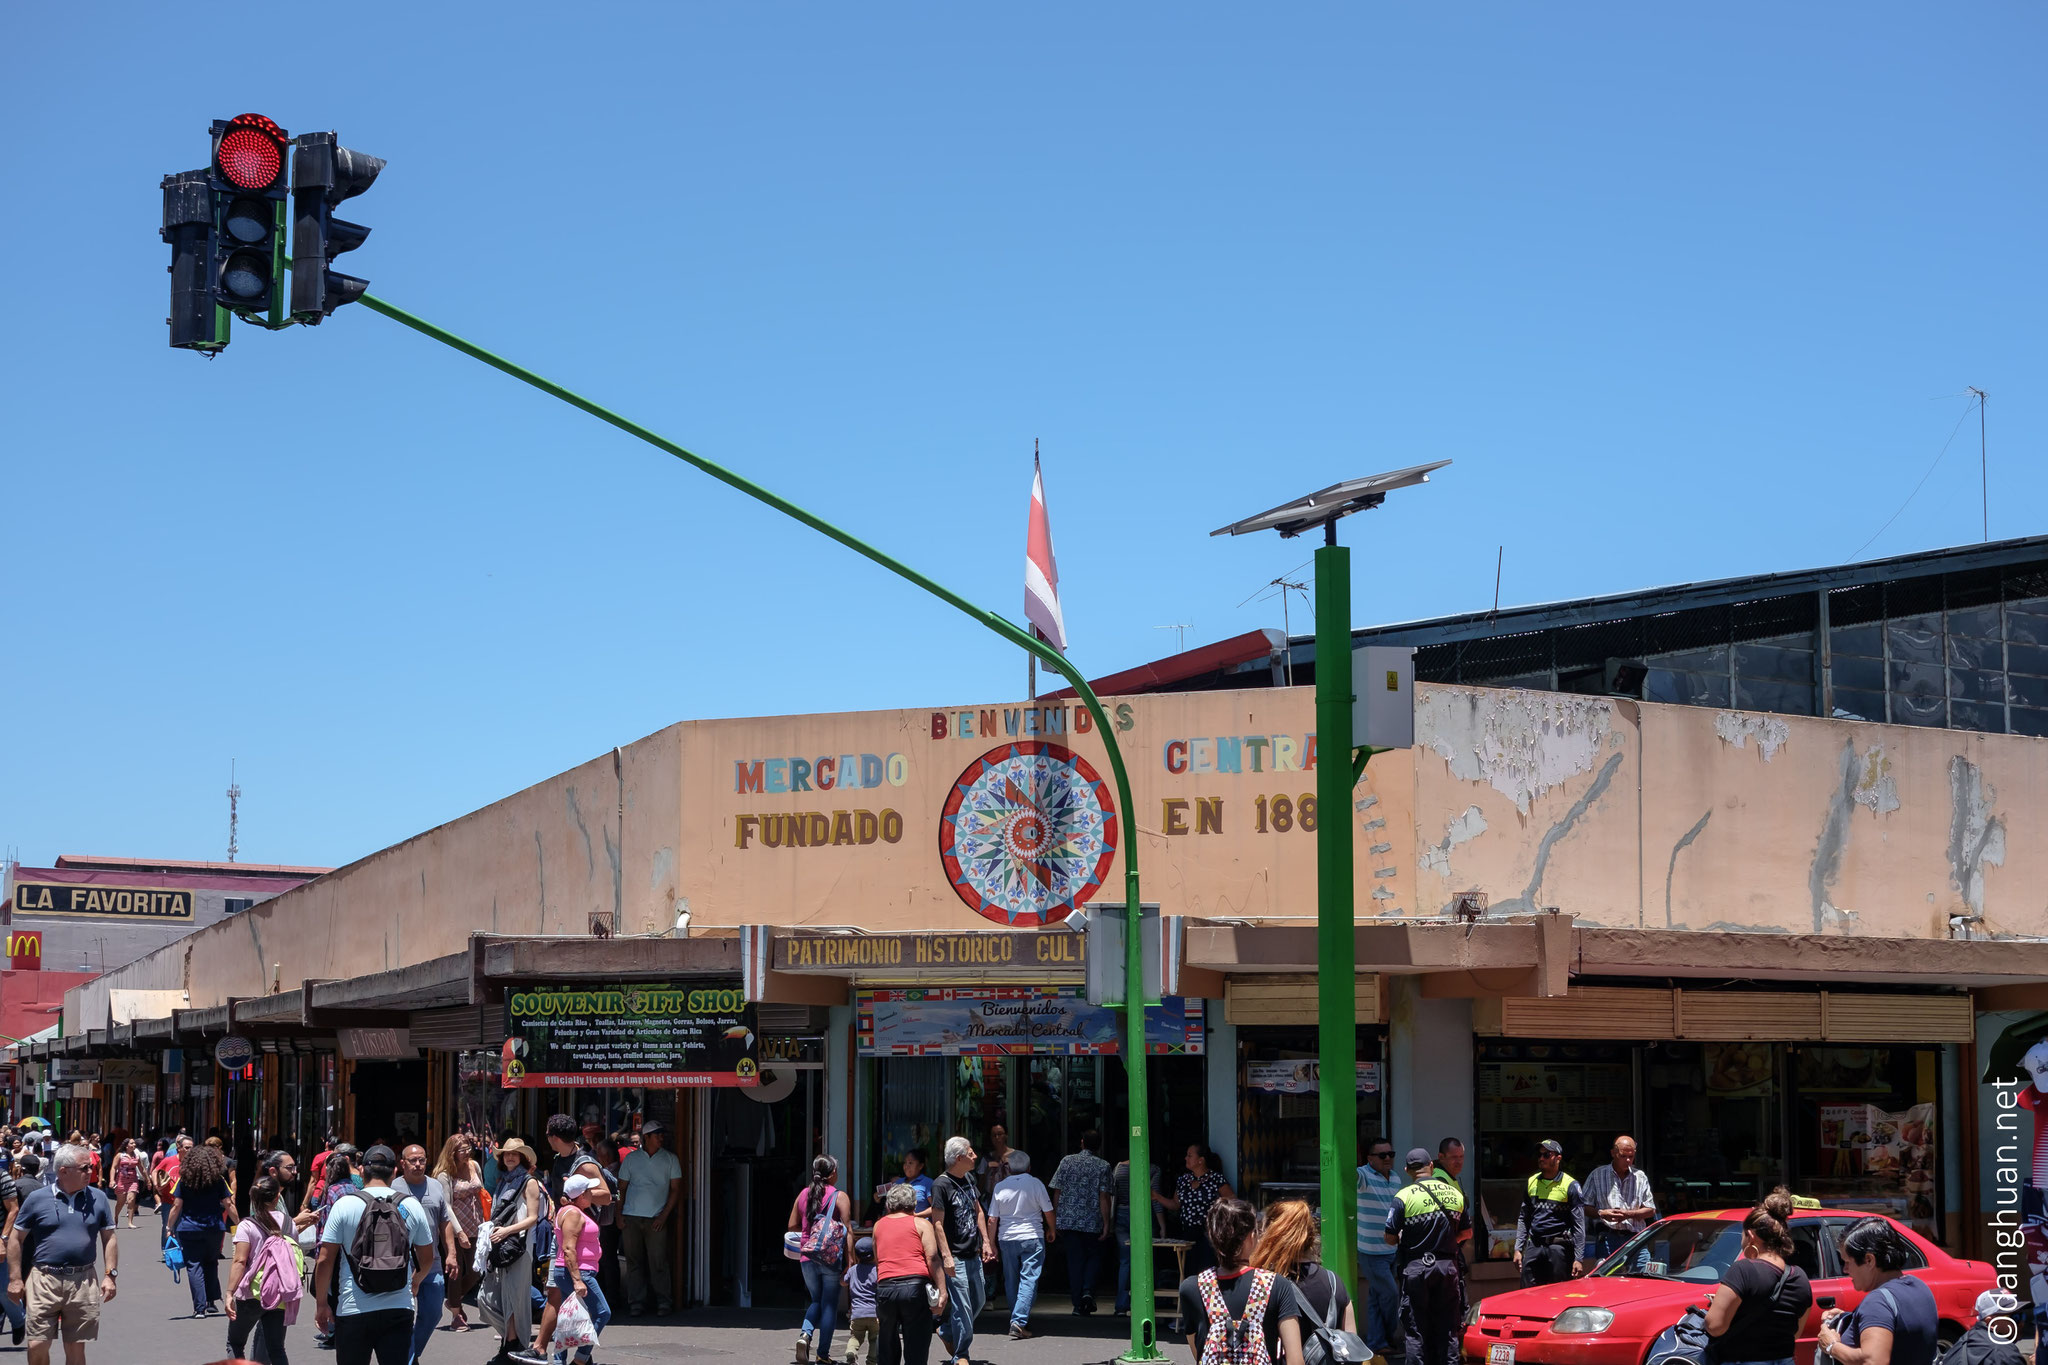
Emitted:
<point x="234" y="816"/>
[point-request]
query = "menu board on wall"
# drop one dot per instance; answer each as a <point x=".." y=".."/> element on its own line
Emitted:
<point x="631" y="1034"/>
<point x="1571" y="1097"/>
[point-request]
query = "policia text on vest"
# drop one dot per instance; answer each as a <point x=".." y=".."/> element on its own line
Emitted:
<point x="1426" y="1224"/>
<point x="1550" y="1230"/>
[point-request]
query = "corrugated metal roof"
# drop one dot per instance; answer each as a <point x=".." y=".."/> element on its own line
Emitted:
<point x="83" y="863"/>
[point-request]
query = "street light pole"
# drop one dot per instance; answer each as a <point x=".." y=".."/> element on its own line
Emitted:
<point x="1336" y="950"/>
<point x="1144" y="1336"/>
<point x="1338" y="769"/>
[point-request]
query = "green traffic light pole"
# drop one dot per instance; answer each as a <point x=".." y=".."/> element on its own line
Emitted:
<point x="1144" y="1337"/>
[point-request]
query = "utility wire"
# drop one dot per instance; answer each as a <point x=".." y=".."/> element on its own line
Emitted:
<point x="1918" y="486"/>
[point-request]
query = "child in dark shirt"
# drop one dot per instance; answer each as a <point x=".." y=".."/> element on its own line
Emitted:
<point x="862" y="1320"/>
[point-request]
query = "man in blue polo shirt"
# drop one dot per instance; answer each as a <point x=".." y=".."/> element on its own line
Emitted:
<point x="57" y="1233"/>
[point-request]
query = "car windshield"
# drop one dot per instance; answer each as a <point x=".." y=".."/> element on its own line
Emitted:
<point x="1697" y="1249"/>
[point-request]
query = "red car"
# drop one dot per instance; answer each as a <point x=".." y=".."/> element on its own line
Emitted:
<point x="1612" y="1315"/>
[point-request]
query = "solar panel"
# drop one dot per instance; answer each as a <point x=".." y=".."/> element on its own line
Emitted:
<point x="1338" y="500"/>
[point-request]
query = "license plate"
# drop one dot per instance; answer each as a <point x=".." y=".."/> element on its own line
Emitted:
<point x="1501" y="1353"/>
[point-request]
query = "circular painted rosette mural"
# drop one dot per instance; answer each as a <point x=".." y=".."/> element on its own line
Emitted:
<point x="1027" y="834"/>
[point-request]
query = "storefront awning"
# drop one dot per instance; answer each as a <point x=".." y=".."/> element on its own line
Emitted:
<point x="1540" y="955"/>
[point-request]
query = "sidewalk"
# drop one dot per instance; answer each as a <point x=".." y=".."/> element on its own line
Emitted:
<point x="150" y="1323"/>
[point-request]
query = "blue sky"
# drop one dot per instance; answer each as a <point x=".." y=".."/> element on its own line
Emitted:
<point x="1682" y="294"/>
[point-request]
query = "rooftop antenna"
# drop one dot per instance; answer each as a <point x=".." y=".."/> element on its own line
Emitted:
<point x="1285" y="586"/>
<point x="1983" y="460"/>
<point x="1500" y="558"/>
<point x="234" y="813"/>
<point x="1181" y="629"/>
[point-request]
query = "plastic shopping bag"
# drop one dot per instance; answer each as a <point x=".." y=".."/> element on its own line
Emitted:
<point x="174" y="1257"/>
<point x="573" y="1327"/>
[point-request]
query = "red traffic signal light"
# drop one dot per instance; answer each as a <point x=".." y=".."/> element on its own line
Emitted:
<point x="249" y="153"/>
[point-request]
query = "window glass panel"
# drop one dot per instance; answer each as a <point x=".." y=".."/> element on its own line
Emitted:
<point x="1974" y="715"/>
<point x="1774" y="663"/>
<point x="1975" y="685"/>
<point x="2027" y="659"/>
<point x="1919" y="681"/>
<point x="1926" y="623"/>
<point x="1964" y="652"/>
<point x="1862" y="705"/>
<point x="2027" y="721"/>
<point x="1981" y="621"/>
<point x="2027" y="622"/>
<point x="1713" y="660"/>
<point x="1688" y="689"/>
<point x="1914" y="646"/>
<point x="1784" y="698"/>
<point x="2028" y="691"/>
<point x="1866" y="641"/>
<point x="1863" y="675"/>
<point x="1918" y="711"/>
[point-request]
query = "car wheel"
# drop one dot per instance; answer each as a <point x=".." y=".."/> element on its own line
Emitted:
<point x="1945" y="1336"/>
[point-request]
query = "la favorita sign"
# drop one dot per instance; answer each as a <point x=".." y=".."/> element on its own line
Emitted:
<point x="91" y="901"/>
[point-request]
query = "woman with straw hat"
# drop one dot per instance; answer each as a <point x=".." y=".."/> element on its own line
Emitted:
<point x="505" y="1297"/>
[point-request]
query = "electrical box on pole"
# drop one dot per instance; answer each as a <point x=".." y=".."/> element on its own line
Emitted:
<point x="1107" y="973"/>
<point x="324" y="173"/>
<point x="1383" y="685"/>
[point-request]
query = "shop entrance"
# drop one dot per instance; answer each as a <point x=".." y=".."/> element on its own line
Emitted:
<point x="391" y="1102"/>
<point x="761" y="1142"/>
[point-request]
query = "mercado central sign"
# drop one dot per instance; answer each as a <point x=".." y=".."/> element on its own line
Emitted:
<point x="930" y="828"/>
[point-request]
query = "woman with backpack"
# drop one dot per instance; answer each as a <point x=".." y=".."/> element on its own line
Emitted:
<point x="1763" y="1297"/>
<point x="200" y="1217"/>
<point x="1897" y="1322"/>
<point x="264" y="1282"/>
<point x="1236" y="1313"/>
<point x="820" y="1204"/>
<point x="505" y="1298"/>
<point x="1288" y="1245"/>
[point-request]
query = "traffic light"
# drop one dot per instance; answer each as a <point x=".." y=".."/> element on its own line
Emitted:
<point x="323" y="174"/>
<point x="225" y="226"/>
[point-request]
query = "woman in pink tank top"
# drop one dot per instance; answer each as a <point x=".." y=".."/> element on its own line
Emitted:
<point x="577" y="1235"/>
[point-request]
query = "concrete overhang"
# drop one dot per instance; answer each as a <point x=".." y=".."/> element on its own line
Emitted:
<point x="571" y="958"/>
<point x="1508" y="957"/>
<point x="388" y="997"/>
<point x="154" y="1030"/>
<point x="201" y="1023"/>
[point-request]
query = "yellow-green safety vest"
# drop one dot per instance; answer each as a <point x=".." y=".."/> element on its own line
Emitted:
<point x="1557" y="1191"/>
<point x="1415" y="1203"/>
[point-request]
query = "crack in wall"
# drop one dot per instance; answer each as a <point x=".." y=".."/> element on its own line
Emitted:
<point x="1526" y="902"/>
<point x="1676" y="849"/>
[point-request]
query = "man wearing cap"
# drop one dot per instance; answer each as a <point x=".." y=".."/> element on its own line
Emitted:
<point x="1424" y="1227"/>
<point x="650" y="1179"/>
<point x="368" y="1324"/>
<point x="1550" y="1230"/>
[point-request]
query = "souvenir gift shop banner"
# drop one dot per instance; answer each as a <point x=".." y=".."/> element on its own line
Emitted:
<point x="1007" y="816"/>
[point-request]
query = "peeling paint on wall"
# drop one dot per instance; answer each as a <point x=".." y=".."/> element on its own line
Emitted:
<point x="1470" y="825"/>
<point x="1521" y="743"/>
<point x="1834" y="839"/>
<point x="1975" y="835"/>
<point x="1875" y="788"/>
<point x="1526" y="902"/>
<point x="1737" y="728"/>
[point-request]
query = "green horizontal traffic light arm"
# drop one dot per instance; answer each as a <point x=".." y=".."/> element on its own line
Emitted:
<point x="1144" y="1336"/>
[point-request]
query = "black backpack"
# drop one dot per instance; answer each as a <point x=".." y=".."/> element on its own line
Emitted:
<point x="380" y="1253"/>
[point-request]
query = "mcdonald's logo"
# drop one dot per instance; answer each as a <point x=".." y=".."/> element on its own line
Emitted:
<point x="25" y="950"/>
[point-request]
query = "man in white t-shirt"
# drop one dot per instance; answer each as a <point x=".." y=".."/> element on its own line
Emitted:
<point x="1022" y="1213"/>
<point x="650" y="1179"/>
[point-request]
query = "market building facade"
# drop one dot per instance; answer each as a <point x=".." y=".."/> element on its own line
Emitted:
<point x="856" y="933"/>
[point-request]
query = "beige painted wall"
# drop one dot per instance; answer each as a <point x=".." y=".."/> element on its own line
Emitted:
<point x="539" y="861"/>
<point x="1746" y="821"/>
<point x="1621" y="813"/>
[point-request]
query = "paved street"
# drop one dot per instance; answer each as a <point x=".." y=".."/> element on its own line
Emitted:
<point x="149" y="1324"/>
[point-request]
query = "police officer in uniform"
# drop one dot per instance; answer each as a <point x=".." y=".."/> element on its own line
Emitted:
<point x="1425" y="1225"/>
<point x="1550" y="1231"/>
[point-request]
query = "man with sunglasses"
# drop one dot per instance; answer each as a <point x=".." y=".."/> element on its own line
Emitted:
<point x="1379" y="1188"/>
